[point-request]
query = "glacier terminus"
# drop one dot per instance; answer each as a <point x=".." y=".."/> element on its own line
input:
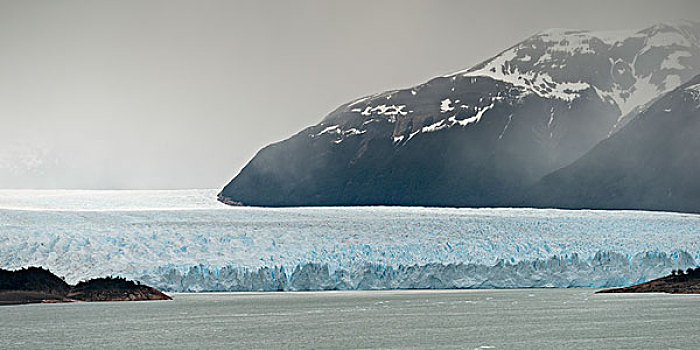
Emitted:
<point x="185" y="241"/>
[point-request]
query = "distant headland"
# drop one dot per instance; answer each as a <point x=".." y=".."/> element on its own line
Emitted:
<point x="677" y="282"/>
<point x="39" y="285"/>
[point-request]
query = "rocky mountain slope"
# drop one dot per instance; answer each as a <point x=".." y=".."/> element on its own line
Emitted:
<point x="477" y="137"/>
<point x="652" y="163"/>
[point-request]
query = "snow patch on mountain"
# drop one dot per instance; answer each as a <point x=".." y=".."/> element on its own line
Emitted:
<point x="446" y="106"/>
<point x="555" y="49"/>
<point x="537" y="82"/>
<point x="664" y="38"/>
<point x="644" y="91"/>
<point x="694" y="92"/>
<point x="339" y="133"/>
<point x="475" y="119"/>
<point x="674" y="60"/>
<point x="391" y="110"/>
<point x="331" y="129"/>
<point x="693" y="88"/>
<point x="625" y="69"/>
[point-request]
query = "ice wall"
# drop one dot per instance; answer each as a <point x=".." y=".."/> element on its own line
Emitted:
<point x="605" y="269"/>
<point x="199" y="246"/>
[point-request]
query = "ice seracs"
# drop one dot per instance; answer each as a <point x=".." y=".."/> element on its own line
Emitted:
<point x="207" y="246"/>
<point x="604" y="269"/>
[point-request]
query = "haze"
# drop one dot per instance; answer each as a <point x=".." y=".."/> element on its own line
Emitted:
<point x="181" y="94"/>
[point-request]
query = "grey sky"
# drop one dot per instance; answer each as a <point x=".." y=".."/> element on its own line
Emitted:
<point x="181" y="94"/>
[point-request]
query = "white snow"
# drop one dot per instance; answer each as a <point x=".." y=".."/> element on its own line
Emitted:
<point x="671" y="82"/>
<point x="694" y="91"/>
<point x="673" y="60"/>
<point x="545" y="74"/>
<point x="452" y="121"/>
<point x="664" y="39"/>
<point x="510" y="118"/>
<point x="551" y="117"/>
<point x="330" y="129"/>
<point x="567" y="41"/>
<point x="613" y="37"/>
<point x="435" y="126"/>
<point x="410" y="136"/>
<point x="695" y="87"/>
<point x="341" y="134"/>
<point x="359" y="100"/>
<point x="562" y="43"/>
<point x="643" y="92"/>
<point x="471" y="120"/>
<point x="500" y="69"/>
<point x="446" y="106"/>
<point x="390" y="110"/>
<point x="353" y="131"/>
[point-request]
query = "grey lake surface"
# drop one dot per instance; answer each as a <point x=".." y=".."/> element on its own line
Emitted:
<point x="418" y="319"/>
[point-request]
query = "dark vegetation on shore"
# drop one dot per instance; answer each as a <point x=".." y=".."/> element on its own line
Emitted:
<point x="37" y="285"/>
<point x="678" y="282"/>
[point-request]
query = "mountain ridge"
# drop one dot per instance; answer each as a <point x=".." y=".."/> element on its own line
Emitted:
<point x="651" y="164"/>
<point x="478" y="136"/>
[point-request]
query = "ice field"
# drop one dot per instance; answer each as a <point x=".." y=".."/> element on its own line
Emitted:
<point x="186" y="241"/>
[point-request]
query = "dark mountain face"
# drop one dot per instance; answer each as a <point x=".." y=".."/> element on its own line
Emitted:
<point x="653" y="163"/>
<point x="476" y="137"/>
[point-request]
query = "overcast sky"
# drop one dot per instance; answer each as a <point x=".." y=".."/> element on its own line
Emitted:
<point x="181" y="94"/>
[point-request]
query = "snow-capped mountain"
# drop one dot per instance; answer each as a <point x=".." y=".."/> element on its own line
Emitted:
<point x="651" y="163"/>
<point x="479" y="136"/>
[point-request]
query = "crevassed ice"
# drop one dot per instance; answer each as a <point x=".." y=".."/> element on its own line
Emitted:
<point x="240" y="248"/>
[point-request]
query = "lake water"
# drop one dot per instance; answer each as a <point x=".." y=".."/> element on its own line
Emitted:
<point x="457" y="319"/>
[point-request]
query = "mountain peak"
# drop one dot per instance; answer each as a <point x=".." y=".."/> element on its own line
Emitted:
<point x="626" y="68"/>
<point x="478" y="136"/>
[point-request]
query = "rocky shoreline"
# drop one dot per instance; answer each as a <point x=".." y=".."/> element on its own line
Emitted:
<point x="37" y="285"/>
<point x="678" y="282"/>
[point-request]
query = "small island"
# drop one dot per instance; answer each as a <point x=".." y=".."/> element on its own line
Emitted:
<point x="38" y="285"/>
<point x="677" y="282"/>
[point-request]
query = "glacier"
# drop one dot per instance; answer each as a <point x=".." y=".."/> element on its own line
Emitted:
<point x="185" y="241"/>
